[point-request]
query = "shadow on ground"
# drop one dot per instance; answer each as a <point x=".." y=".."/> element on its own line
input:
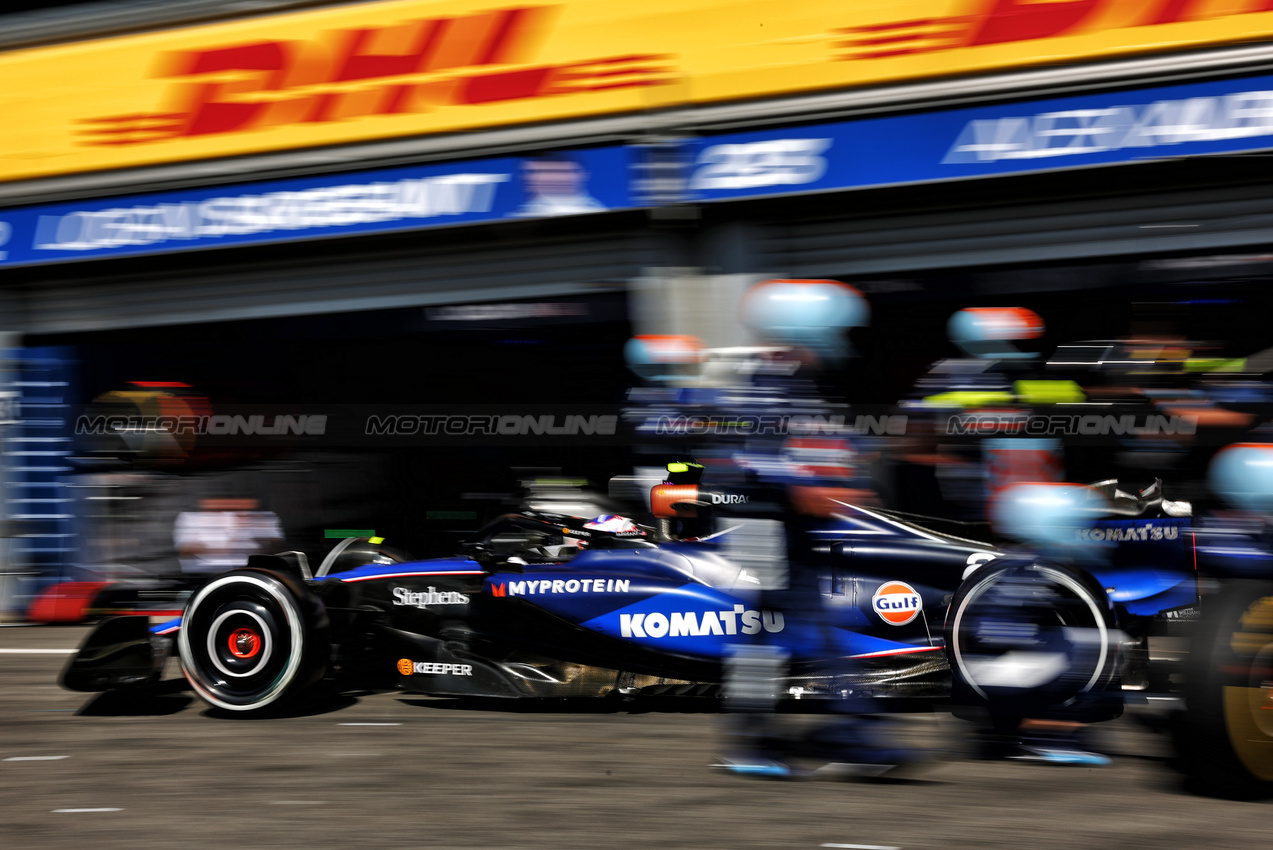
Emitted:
<point x="156" y="700"/>
<point x="583" y="705"/>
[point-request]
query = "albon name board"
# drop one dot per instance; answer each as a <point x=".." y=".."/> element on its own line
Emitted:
<point x="1139" y="125"/>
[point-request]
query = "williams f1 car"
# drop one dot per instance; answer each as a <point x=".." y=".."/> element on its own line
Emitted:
<point x="549" y="605"/>
<point x="543" y="604"/>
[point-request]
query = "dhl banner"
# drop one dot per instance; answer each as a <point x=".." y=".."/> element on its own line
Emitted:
<point x="410" y="67"/>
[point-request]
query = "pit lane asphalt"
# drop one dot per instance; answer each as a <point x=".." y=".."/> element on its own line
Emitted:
<point x="449" y="775"/>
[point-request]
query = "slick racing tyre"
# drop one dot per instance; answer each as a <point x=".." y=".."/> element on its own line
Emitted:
<point x="252" y="640"/>
<point x="1032" y="640"/>
<point x="1226" y="747"/>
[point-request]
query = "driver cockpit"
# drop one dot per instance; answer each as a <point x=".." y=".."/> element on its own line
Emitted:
<point x="515" y="541"/>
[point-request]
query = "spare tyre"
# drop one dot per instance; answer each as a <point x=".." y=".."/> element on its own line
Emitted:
<point x="1033" y="639"/>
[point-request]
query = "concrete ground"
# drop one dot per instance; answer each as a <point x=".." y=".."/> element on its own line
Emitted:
<point x="391" y="770"/>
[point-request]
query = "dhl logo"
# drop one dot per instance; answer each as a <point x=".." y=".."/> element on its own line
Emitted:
<point x="416" y="66"/>
<point x="1005" y="21"/>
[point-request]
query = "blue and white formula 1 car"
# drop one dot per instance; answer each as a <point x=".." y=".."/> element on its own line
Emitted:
<point x="538" y="605"/>
<point x="541" y="605"/>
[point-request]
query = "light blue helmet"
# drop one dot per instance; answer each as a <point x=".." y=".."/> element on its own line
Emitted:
<point x="1046" y="515"/>
<point x="1242" y="474"/>
<point x="812" y="314"/>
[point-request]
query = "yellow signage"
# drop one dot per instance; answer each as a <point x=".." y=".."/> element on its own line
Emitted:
<point x="413" y="67"/>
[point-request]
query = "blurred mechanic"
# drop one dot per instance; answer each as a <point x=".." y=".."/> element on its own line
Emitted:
<point x="1047" y="517"/>
<point x="222" y="534"/>
<point x="999" y="375"/>
<point x="813" y="316"/>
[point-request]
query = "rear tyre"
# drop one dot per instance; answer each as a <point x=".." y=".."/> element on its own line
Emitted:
<point x="1032" y="640"/>
<point x="1227" y="744"/>
<point x="253" y="640"/>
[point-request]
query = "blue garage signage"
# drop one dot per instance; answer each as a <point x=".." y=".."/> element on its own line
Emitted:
<point x="1070" y="132"/>
<point x="565" y="183"/>
<point x="1222" y="116"/>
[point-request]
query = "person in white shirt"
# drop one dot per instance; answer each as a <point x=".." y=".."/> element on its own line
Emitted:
<point x="556" y="185"/>
<point x="223" y="533"/>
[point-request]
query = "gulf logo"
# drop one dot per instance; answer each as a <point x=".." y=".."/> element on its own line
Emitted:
<point x="897" y="603"/>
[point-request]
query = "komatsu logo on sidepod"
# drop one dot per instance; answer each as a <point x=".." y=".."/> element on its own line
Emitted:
<point x="897" y="603"/>
<point x="741" y="620"/>
<point x="1148" y="531"/>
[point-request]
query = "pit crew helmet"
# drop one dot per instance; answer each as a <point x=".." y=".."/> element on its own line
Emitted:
<point x="664" y="358"/>
<point x="1242" y="474"/>
<point x="811" y="314"/>
<point x="1046" y="515"/>
<point x="989" y="333"/>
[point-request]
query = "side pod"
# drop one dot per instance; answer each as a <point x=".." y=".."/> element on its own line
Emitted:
<point x="119" y="653"/>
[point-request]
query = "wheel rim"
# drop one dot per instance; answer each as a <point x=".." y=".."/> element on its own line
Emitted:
<point x="1071" y="622"/>
<point x="241" y="642"/>
<point x="245" y="643"/>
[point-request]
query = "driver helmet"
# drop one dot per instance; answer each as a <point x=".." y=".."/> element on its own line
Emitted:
<point x="611" y="523"/>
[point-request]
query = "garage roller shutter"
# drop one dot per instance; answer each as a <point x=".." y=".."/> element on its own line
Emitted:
<point x="405" y="277"/>
<point x="1204" y="220"/>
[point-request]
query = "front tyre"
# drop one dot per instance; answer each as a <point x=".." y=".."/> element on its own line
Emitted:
<point x="1227" y="745"/>
<point x="253" y="639"/>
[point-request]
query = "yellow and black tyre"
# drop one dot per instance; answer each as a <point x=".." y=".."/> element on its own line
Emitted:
<point x="1226" y="745"/>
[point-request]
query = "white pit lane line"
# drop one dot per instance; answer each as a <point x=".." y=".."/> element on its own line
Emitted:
<point x="38" y="651"/>
<point x="80" y="811"/>
<point x="863" y="846"/>
<point x="368" y="724"/>
<point x="298" y="802"/>
<point x="35" y="758"/>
